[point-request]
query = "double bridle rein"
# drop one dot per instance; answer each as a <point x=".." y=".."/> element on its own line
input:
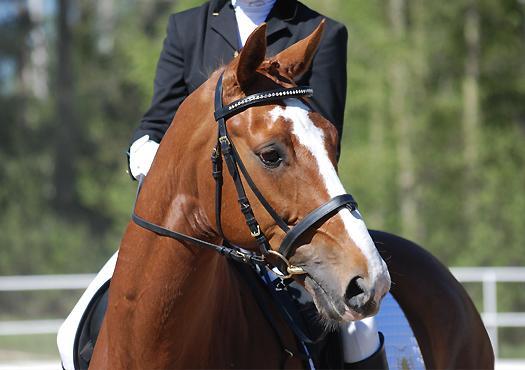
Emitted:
<point x="224" y="149"/>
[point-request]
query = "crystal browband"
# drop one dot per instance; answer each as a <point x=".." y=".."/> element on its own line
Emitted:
<point x="268" y="96"/>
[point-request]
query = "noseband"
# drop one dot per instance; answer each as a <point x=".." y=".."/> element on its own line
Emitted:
<point x="225" y="149"/>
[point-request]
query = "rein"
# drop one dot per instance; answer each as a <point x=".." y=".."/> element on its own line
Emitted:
<point x="224" y="149"/>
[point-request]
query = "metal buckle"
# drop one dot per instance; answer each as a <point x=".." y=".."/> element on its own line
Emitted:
<point x="351" y="206"/>
<point x="224" y="140"/>
<point x="242" y="256"/>
<point x="214" y="154"/>
<point x="257" y="233"/>
<point x="290" y="269"/>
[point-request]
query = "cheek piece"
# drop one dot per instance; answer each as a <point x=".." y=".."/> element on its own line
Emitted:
<point x="225" y="150"/>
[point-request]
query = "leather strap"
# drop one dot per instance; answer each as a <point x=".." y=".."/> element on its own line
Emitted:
<point x="233" y="161"/>
<point x="278" y="219"/>
<point x="255" y="287"/>
<point x="236" y="253"/>
<point x="260" y="99"/>
<point x="226" y="150"/>
<point x="288" y="308"/>
<point x="322" y="212"/>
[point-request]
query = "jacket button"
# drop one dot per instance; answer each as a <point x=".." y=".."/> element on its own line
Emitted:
<point x="235" y="53"/>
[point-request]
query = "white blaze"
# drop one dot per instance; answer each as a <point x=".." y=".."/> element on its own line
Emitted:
<point x="312" y="138"/>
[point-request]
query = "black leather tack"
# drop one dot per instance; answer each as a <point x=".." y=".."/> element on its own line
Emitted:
<point x="225" y="150"/>
<point x="312" y="218"/>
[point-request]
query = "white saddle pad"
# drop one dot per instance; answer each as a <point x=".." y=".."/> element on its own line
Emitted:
<point x="68" y="330"/>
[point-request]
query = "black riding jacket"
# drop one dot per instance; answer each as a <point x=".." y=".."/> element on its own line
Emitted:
<point x="201" y="39"/>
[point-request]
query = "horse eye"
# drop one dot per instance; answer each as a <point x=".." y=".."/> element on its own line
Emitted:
<point x="270" y="158"/>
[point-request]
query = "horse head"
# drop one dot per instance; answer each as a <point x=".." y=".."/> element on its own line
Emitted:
<point x="289" y="150"/>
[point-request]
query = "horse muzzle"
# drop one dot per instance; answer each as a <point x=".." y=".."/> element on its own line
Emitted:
<point x="359" y="298"/>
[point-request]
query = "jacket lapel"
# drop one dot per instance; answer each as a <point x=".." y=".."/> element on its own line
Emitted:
<point x="282" y="12"/>
<point x="222" y="20"/>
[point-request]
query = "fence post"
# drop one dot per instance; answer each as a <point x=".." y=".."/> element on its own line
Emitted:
<point x="490" y="308"/>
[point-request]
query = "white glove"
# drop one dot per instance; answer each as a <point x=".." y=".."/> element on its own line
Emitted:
<point x="141" y="155"/>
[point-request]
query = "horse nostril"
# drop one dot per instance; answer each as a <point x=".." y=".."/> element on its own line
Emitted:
<point x="353" y="289"/>
<point x="359" y="297"/>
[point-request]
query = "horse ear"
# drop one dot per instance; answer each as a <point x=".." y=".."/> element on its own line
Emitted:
<point x="251" y="55"/>
<point x="295" y="60"/>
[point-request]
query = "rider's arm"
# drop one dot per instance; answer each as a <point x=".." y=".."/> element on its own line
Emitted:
<point x="169" y="90"/>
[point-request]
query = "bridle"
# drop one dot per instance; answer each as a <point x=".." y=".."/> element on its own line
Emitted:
<point x="224" y="149"/>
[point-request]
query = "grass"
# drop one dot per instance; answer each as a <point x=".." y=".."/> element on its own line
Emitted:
<point x="511" y="343"/>
<point x="28" y="347"/>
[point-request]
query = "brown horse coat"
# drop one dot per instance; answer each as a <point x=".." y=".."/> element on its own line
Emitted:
<point x="173" y="305"/>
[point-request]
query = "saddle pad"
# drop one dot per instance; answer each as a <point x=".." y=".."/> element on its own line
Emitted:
<point x="402" y="349"/>
<point x="89" y="328"/>
<point x="69" y="329"/>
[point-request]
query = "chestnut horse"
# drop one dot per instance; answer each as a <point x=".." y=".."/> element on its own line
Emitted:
<point x="173" y="304"/>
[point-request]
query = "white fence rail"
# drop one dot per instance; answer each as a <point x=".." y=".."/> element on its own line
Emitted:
<point x="489" y="277"/>
<point x="34" y="283"/>
<point x="29" y="327"/>
<point x="44" y="282"/>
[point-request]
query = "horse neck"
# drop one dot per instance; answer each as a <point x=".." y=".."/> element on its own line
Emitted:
<point x="183" y="307"/>
<point x="180" y="305"/>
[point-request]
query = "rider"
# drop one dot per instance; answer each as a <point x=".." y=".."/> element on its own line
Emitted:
<point x="219" y="28"/>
